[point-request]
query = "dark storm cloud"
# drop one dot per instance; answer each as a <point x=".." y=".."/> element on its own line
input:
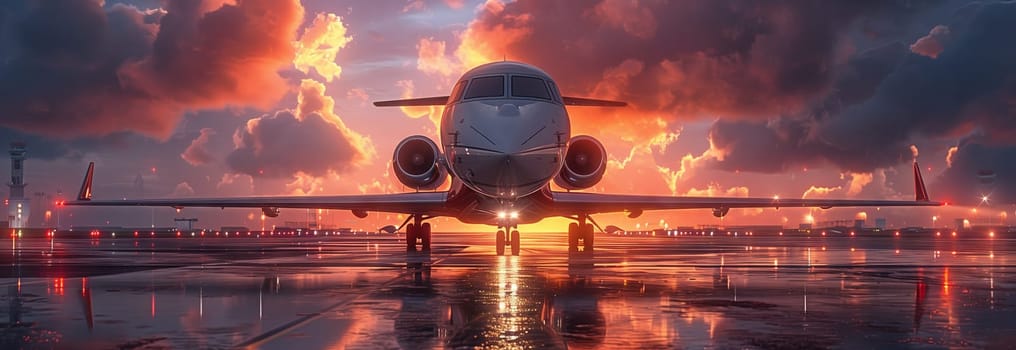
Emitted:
<point x="969" y="85"/>
<point x="73" y="68"/>
<point x="977" y="170"/>
<point x="735" y="58"/>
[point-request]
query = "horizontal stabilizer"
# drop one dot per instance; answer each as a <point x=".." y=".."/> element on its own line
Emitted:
<point x="423" y="101"/>
<point x="579" y="101"/>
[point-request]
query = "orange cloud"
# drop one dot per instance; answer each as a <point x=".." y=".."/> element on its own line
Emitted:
<point x="320" y="43"/>
<point x="310" y="140"/>
<point x="432" y="58"/>
<point x="819" y="191"/>
<point x="133" y="70"/>
<point x="949" y="156"/>
<point x="857" y="182"/>
<point x="197" y="153"/>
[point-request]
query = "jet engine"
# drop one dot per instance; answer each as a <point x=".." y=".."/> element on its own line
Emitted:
<point x="584" y="164"/>
<point x="417" y="163"/>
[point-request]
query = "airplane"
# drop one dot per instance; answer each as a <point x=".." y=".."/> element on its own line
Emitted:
<point x="505" y="136"/>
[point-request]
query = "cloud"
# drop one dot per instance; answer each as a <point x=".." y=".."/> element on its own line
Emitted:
<point x="319" y="44"/>
<point x="949" y="156"/>
<point x="791" y="85"/>
<point x="183" y="189"/>
<point x="819" y="191"/>
<point x="74" y="68"/>
<point x="857" y="182"/>
<point x="627" y="15"/>
<point x="432" y="58"/>
<point x="932" y="44"/>
<point x="197" y="153"/>
<point x="978" y="169"/>
<point x="310" y="140"/>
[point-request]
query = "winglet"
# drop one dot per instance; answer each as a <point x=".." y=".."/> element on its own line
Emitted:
<point x="922" y="193"/>
<point x="86" y="186"/>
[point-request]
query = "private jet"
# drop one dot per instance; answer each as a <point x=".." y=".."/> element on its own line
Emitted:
<point x="505" y="136"/>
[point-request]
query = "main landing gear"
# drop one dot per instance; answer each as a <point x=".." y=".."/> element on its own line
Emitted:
<point x="580" y="231"/>
<point x="504" y="240"/>
<point x="418" y="233"/>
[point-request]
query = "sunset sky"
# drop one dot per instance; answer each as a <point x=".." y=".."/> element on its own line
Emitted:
<point x="814" y="99"/>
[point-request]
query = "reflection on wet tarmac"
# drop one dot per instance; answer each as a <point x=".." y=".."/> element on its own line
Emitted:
<point x="636" y="292"/>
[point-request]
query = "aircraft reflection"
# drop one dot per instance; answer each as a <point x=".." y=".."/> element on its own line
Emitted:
<point x="572" y="306"/>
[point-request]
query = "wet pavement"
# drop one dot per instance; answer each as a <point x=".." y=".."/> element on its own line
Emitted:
<point x="633" y="292"/>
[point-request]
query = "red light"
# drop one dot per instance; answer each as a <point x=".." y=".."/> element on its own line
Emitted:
<point x="954" y="233"/>
<point x="897" y="233"/>
<point x="937" y="234"/>
<point x="178" y="233"/>
<point x="135" y="233"/>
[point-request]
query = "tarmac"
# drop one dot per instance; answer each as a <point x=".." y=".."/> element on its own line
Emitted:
<point x="367" y="292"/>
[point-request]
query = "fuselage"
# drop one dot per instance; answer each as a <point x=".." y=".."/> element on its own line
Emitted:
<point x="504" y="133"/>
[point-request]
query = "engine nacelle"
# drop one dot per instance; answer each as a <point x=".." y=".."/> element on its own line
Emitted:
<point x="417" y="163"/>
<point x="584" y="164"/>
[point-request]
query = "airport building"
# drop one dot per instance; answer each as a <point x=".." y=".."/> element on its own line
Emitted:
<point x="18" y="206"/>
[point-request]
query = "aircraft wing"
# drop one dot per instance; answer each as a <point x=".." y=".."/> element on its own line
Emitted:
<point x="576" y="203"/>
<point x="426" y="203"/>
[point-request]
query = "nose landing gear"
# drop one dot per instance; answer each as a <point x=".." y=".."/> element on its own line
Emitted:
<point x="511" y="241"/>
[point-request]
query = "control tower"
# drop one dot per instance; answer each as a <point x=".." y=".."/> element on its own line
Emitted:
<point x="17" y="205"/>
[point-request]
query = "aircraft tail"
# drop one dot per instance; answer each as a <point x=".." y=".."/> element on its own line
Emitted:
<point x="919" y="189"/>
<point x="85" y="194"/>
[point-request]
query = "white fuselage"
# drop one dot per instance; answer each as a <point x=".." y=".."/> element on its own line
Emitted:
<point x="505" y="142"/>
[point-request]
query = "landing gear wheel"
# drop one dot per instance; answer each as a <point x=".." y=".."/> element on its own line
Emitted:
<point x="515" y="243"/>
<point x="500" y="242"/>
<point x="587" y="237"/>
<point x="573" y="237"/>
<point x="411" y="237"/>
<point x="425" y="237"/>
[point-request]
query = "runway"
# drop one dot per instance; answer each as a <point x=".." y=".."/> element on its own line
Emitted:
<point x="366" y="292"/>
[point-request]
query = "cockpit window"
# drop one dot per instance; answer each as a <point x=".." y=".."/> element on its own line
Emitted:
<point x="457" y="91"/>
<point x="553" y="90"/>
<point x="529" y="87"/>
<point x="486" y="87"/>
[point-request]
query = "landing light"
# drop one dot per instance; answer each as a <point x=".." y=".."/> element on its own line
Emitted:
<point x="501" y="215"/>
<point x="515" y="215"/>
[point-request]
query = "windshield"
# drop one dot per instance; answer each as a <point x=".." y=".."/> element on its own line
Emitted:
<point x="529" y="87"/>
<point x="486" y="87"/>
